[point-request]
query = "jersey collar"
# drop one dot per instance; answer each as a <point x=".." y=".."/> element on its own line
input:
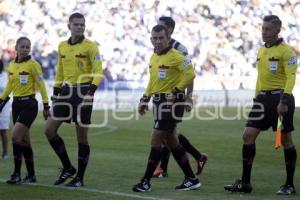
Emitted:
<point x="77" y="42"/>
<point x="164" y="51"/>
<point x="279" y="41"/>
<point x="172" y="41"/>
<point x="23" y="60"/>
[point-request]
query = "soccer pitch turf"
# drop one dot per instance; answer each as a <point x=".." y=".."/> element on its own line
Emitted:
<point x="119" y="154"/>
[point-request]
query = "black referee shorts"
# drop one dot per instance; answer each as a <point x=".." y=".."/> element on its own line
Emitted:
<point x="166" y="117"/>
<point x="68" y="107"/>
<point x="263" y="114"/>
<point x="24" y="110"/>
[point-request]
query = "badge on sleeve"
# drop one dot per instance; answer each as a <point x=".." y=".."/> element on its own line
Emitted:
<point x="292" y="61"/>
<point x="187" y="62"/>
<point x="97" y="57"/>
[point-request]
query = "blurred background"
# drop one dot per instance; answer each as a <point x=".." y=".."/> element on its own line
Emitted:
<point x="222" y="37"/>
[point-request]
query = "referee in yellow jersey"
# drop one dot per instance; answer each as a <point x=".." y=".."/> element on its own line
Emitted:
<point x="78" y="75"/>
<point x="24" y="75"/>
<point x="277" y="67"/>
<point x="170" y="73"/>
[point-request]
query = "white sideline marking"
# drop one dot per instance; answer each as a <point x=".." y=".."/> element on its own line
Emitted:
<point x="94" y="191"/>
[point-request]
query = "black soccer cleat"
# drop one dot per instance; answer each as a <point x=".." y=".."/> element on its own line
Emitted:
<point x="189" y="184"/>
<point x="286" y="190"/>
<point x="143" y="186"/>
<point x="76" y="182"/>
<point x="14" y="179"/>
<point x="239" y="186"/>
<point x="65" y="174"/>
<point x="29" y="179"/>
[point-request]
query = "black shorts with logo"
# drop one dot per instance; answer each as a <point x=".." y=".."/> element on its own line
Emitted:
<point x="166" y="117"/>
<point x="69" y="105"/>
<point x="264" y="114"/>
<point x="24" y="110"/>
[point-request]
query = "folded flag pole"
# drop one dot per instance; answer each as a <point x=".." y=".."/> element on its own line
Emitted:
<point x="277" y="144"/>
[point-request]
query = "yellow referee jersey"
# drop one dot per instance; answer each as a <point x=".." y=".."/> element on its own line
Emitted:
<point x="23" y="78"/>
<point x="277" y="67"/>
<point x="78" y="63"/>
<point x="168" y="71"/>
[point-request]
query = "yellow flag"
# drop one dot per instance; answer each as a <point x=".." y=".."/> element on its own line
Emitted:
<point x="278" y="133"/>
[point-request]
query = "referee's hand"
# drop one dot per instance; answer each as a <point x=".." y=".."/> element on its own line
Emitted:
<point x="46" y="113"/>
<point x="188" y="104"/>
<point x="282" y="108"/>
<point x="142" y="108"/>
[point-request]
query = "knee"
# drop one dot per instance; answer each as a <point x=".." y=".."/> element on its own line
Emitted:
<point x="83" y="141"/>
<point x="16" y="139"/>
<point x="248" y="137"/>
<point x="287" y="142"/>
<point x="49" y="132"/>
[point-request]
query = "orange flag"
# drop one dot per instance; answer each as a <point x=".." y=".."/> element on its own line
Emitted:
<point x="278" y="133"/>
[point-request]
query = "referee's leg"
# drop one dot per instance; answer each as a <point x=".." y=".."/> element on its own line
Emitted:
<point x="58" y="146"/>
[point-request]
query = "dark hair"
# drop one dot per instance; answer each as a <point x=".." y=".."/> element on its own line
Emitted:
<point x="159" y="28"/>
<point x="75" y="15"/>
<point x="22" y="38"/>
<point x="274" y="19"/>
<point x="1" y="66"/>
<point x="170" y="23"/>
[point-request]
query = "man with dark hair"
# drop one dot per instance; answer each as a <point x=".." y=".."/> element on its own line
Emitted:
<point x="277" y="66"/>
<point x="78" y="75"/>
<point x="170" y="74"/>
<point x="200" y="158"/>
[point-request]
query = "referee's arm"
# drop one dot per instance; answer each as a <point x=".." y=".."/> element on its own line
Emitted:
<point x="290" y="68"/>
<point x="38" y="77"/>
<point x="188" y="72"/>
<point x="59" y="76"/>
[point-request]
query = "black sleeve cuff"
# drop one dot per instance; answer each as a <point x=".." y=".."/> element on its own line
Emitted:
<point x="92" y="89"/>
<point x="145" y="99"/>
<point x="46" y="106"/>
<point x="56" y="91"/>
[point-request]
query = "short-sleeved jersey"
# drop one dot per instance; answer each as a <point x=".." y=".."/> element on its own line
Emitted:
<point x="168" y="71"/>
<point x="178" y="46"/>
<point x="23" y="79"/>
<point x="78" y="63"/>
<point x="277" y="66"/>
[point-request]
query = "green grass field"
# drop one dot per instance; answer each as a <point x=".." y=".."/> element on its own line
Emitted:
<point x="119" y="153"/>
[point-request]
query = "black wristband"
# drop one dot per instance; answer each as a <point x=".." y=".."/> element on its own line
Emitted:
<point x="145" y="99"/>
<point x="285" y="98"/>
<point x="92" y="89"/>
<point x="56" y="91"/>
<point x="46" y="106"/>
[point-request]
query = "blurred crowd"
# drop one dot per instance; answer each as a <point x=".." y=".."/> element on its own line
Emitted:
<point x="222" y="36"/>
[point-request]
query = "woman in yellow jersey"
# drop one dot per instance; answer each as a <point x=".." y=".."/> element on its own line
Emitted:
<point x="24" y="75"/>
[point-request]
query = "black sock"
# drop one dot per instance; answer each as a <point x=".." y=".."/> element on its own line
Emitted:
<point x="58" y="146"/>
<point x="248" y="157"/>
<point x="183" y="161"/>
<point x="28" y="157"/>
<point x="153" y="161"/>
<point x="189" y="147"/>
<point x="83" y="158"/>
<point x="290" y="156"/>
<point x="165" y="156"/>
<point x="17" y="151"/>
